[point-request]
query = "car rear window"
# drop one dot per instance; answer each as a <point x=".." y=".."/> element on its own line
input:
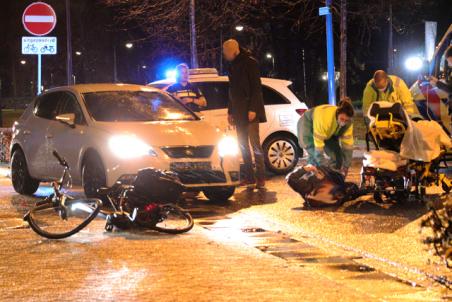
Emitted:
<point x="135" y="106"/>
<point x="272" y="97"/>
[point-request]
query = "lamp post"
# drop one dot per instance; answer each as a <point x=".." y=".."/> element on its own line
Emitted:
<point x="269" y="56"/>
<point x="128" y="45"/>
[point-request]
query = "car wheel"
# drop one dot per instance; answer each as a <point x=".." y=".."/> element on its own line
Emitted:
<point x="281" y="154"/>
<point x="219" y="194"/>
<point x="93" y="176"/>
<point x="23" y="183"/>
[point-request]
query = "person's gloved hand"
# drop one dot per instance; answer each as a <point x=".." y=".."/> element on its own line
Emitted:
<point x="344" y="171"/>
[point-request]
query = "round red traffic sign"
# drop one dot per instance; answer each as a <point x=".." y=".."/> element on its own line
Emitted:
<point x="39" y="19"/>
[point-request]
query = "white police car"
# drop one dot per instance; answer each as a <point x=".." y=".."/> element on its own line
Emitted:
<point x="282" y="107"/>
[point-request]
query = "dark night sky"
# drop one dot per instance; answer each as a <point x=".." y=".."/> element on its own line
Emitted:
<point x="95" y="33"/>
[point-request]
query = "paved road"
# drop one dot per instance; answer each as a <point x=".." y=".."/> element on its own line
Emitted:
<point x="262" y="246"/>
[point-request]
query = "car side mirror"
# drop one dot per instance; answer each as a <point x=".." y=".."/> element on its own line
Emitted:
<point x="67" y="118"/>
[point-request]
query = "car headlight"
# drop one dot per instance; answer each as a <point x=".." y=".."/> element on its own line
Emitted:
<point x="129" y="146"/>
<point x="228" y="146"/>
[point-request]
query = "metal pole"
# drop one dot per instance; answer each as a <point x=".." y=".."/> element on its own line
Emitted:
<point x="221" y="51"/>
<point x="343" y="47"/>
<point x="304" y="74"/>
<point x="69" y="44"/>
<point x="390" y="42"/>
<point x="39" y="74"/>
<point x="194" y="51"/>
<point x="115" y="66"/>
<point x="330" y="55"/>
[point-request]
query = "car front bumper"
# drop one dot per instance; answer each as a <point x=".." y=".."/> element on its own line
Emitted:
<point x="194" y="173"/>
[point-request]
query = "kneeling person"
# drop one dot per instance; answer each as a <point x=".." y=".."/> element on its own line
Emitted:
<point x="328" y="130"/>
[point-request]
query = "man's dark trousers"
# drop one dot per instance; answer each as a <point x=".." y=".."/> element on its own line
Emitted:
<point x="248" y="134"/>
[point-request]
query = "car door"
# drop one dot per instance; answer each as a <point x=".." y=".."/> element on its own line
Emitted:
<point x="35" y="140"/>
<point x="216" y="94"/>
<point x="65" y="139"/>
<point x="280" y="114"/>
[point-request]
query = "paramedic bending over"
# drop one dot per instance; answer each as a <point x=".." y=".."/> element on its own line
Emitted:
<point x="328" y="130"/>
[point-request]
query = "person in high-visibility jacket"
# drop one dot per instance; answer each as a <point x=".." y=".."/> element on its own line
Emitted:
<point x="389" y="88"/>
<point x="328" y="130"/>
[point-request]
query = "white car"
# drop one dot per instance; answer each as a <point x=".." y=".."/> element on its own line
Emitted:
<point x="283" y="109"/>
<point x="107" y="132"/>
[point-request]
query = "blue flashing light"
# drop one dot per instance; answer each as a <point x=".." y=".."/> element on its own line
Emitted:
<point x="170" y="74"/>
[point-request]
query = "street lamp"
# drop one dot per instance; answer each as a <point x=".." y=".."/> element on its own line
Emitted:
<point x="23" y="62"/>
<point x="129" y="45"/>
<point x="414" y="63"/>
<point x="239" y="28"/>
<point x="78" y="53"/>
<point x="144" y="67"/>
<point x="269" y="56"/>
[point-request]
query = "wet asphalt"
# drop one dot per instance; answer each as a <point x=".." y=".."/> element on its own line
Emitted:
<point x="260" y="246"/>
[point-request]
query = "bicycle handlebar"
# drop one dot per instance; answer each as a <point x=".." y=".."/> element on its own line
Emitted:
<point x="60" y="159"/>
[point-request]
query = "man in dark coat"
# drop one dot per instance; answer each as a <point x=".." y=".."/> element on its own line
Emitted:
<point x="246" y="109"/>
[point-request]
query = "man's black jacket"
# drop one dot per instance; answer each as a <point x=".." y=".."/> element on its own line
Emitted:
<point x="245" y="89"/>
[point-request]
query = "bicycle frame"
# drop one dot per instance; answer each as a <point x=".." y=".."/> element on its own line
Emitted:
<point x="118" y="203"/>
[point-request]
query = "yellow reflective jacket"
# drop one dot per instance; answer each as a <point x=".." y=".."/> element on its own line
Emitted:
<point x="325" y="126"/>
<point x="397" y="92"/>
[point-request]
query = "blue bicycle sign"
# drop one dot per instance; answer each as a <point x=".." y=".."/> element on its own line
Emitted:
<point x="39" y="45"/>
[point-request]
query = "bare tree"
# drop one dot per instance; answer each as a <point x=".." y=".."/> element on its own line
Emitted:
<point x="167" y="22"/>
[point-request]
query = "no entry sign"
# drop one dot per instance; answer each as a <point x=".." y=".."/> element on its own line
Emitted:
<point x="39" y="19"/>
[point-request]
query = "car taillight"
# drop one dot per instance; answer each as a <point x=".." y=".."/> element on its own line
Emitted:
<point x="300" y="111"/>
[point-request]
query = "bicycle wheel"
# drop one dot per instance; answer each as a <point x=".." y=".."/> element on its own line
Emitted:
<point x="55" y="221"/>
<point x="173" y="220"/>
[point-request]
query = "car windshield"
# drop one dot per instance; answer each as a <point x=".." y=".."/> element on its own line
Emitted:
<point x="135" y="106"/>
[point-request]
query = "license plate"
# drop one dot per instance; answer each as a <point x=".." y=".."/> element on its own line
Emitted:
<point x="187" y="166"/>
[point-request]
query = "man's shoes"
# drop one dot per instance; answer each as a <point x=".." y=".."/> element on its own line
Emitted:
<point x="260" y="184"/>
<point x="247" y="183"/>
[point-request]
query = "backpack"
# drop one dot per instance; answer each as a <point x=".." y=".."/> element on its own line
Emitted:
<point x="326" y="187"/>
<point x="154" y="185"/>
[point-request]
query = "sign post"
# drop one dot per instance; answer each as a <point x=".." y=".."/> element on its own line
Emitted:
<point x="326" y="11"/>
<point x="39" y="19"/>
